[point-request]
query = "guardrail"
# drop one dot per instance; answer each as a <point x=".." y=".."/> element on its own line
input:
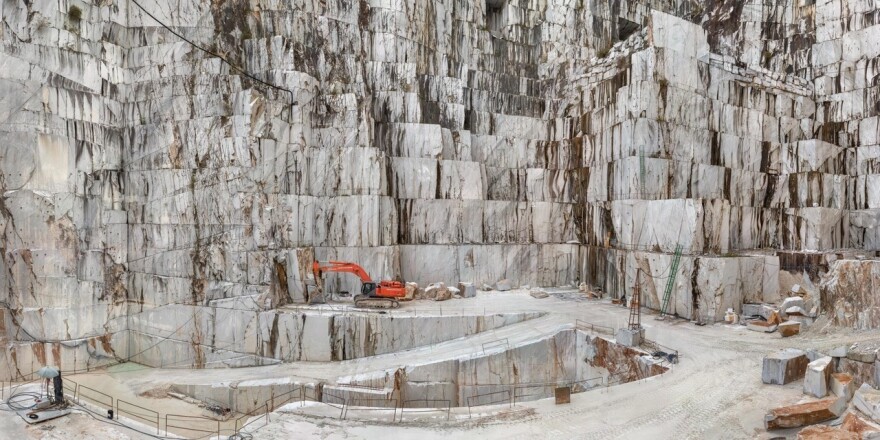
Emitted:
<point x="272" y="403"/>
<point x="240" y="422"/>
<point x="492" y="401"/>
<point x="371" y="405"/>
<point x="105" y="399"/>
<point x="68" y="390"/>
<point x="180" y="418"/>
<point x="138" y="412"/>
<point x="407" y="406"/>
<point x="595" y="328"/>
<point x="341" y="402"/>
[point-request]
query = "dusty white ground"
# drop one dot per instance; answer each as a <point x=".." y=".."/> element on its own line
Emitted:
<point x="714" y="392"/>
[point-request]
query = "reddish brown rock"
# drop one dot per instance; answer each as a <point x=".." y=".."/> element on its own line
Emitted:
<point x="789" y="328"/>
<point x="822" y="432"/>
<point x="858" y="425"/>
<point x="760" y="326"/>
<point x="861" y="372"/>
<point x="842" y="385"/>
<point x="803" y="414"/>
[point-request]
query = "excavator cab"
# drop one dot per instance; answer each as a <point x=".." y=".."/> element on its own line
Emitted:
<point x="368" y="289"/>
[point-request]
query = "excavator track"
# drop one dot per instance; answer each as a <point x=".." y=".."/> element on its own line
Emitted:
<point x="375" y="302"/>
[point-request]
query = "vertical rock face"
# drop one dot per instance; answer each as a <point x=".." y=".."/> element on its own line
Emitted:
<point x="543" y="142"/>
<point x="849" y="294"/>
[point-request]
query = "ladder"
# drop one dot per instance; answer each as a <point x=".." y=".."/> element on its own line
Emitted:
<point x="670" y="281"/>
<point x="635" y="311"/>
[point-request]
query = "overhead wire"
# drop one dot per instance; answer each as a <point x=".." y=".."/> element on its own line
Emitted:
<point x="217" y="55"/>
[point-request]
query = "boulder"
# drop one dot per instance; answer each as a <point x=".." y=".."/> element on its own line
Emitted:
<point x="774" y="317"/>
<point x="795" y="311"/>
<point x="453" y="292"/>
<point x="867" y="400"/>
<point x="792" y="301"/>
<point x="842" y="386"/>
<point x="468" y="290"/>
<point x="435" y="290"/>
<point x="443" y="294"/>
<point x="583" y="288"/>
<point x="503" y="285"/>
<point x="789" y="328"/>
<point x="784" y="366"/>
<point x="411" y="289"/>
<point x="539" y="294"/>
<point x="762" y="310"/>
<point x="485" y="287"/>
<point x="860" y="426"/>
<point x="823" y="432"/>
<point x="818" y="376"/>
<point x="805" y="321"/>
<point x="760" y="326"/>
<point x="862" y="352"/>
<point x="860" y="371"/>
<point x="803" y="414"/>
<point x="838" y="352"/>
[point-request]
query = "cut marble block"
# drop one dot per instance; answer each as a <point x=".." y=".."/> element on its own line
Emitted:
<point x="842" y="386"/>
<point x="784" y="366"/>
<point x="867" y="400"/>
<point x="803" y="414"/>
<point x="818" y="376"/>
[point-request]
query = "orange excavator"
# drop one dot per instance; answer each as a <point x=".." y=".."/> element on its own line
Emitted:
<point x="381" y="295"/>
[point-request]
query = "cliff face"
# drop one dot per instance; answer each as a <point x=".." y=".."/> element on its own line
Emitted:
<point x="186" y="152"/>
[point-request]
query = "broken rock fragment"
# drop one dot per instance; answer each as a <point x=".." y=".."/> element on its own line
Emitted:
<point x="867" y="400"/>
<point x="503" y="285"/>
<point x="760" y="326"/>
<point x="866" y="352"/>
<point x="803" y="414"/>
<point x="539" y="294"/>
<point x="824" y="432"/>
<point x="435" y="290"/>
<point x="860" y="426"/>
<point x="789" y="328"/>
<point x="411" y="289"/>
<point x="794" y="301"/>
<point x="784" y="366"/>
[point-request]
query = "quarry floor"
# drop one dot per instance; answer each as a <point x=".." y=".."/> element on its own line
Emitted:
<point x="715" y="391"/>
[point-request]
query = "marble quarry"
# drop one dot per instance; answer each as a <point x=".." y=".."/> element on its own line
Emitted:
<point x="169" y="166"/>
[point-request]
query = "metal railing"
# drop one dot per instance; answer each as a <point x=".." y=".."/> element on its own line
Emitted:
<point x="242" y="422"/>
<point x="340" y="403"/>
<point x="187" y="422"/>
<point x="276" y="401"/>
<point x="429" y="405"/>
<point x="138" y="412"/>
<point x="495" y="397"/>
<point x="371" y="405"/>
<point x="104" y="399"/>
<point x="594" y="328"/>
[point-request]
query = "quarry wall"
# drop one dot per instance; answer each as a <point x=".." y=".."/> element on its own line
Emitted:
<point x="190" y="152"/>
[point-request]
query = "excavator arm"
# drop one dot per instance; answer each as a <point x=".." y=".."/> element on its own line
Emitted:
<point x="340" y="266"/>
